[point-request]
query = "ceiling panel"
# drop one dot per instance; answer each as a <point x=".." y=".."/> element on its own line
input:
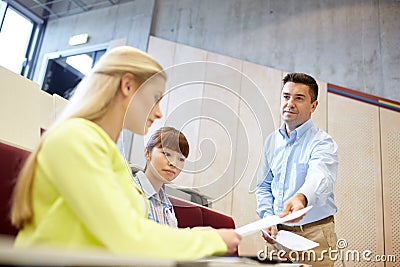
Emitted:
<point x="52" y="9"/>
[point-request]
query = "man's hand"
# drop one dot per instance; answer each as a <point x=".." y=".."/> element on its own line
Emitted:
<point x="296" y="202"/>
<point x="272" y="231"/>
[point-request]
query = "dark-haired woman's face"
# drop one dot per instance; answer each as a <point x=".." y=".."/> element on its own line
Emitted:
<point x="165" y="162"/>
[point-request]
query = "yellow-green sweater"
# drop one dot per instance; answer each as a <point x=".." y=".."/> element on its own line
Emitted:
<point x="84" y="197"/>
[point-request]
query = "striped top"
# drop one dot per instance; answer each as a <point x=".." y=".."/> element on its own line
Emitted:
<point x="161" y="209"/>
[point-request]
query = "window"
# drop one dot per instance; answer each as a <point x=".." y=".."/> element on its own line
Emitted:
<point x="18" y="35"/>
<point x="66" y="69"/>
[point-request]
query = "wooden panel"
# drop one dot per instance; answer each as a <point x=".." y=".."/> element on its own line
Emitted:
<point x="137" y="158"/>
<point x="185" y="95"/>
<point x="217" y="136"/>
<point x="19" y="110"/>
<point x="319" y="117"/>
<point x="390" y="142"/>
<point x="163" y="51"/>
<point x="358" y="194"/>
<point x="268" y="83"/>
<point x="59" y="104"/>
<point x="259" y="111"/>
<point x="47" y="114"/>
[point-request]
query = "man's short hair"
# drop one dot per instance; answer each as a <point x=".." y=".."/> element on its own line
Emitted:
<point x="304" y="79"/>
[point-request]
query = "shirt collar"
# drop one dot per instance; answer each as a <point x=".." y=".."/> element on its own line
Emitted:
<point x="149" y="191"/>
<point x="298" y="132"/>
<point x="145" y="184"/>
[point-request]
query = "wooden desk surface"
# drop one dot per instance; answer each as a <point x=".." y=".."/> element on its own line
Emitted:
<point x="10" y="256"/>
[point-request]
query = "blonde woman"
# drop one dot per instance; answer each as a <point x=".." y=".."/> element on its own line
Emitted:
<point x="76" y="191"/>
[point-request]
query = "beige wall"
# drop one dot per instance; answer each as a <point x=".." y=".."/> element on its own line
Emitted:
<point x="226" y="107"/>
<point x="390" y="147"/>
<point x="25" y="110"/>
<point x="358" y="193"/>
<point x="368" y="139"/>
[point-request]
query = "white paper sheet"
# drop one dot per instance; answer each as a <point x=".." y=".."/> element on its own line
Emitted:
<point x="256" y="226"/>
<point x="293" y="241"/>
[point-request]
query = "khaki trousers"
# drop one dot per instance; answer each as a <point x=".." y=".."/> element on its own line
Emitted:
<point x="322" y="232"/>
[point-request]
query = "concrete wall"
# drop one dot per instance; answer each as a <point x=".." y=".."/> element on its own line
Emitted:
<point x="352" y="43"/>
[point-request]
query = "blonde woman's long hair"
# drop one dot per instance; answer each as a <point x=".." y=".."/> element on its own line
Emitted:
<point x="91" y="100"/>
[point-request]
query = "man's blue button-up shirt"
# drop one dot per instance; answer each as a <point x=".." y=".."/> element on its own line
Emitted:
<point x="307" y="163"/>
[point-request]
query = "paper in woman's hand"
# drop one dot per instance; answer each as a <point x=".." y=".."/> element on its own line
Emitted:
<point x="259" y="225"/>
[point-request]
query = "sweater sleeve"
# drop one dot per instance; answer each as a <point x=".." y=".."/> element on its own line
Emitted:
<point x="82" y="165"/>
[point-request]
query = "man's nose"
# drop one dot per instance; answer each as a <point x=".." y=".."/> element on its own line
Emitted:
<point x="290" y="102"/>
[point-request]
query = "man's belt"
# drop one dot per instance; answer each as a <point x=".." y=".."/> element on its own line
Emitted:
<point x="301" y="228"/>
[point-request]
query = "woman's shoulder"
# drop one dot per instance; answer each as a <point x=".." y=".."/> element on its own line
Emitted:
<point x="77" y="132"/>
<point x="77" y="127"/>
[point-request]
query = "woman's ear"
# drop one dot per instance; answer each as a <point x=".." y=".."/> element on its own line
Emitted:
<point x="128" y="84"/>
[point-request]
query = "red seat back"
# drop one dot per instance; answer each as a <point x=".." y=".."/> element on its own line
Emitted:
<point x="11" y="160"/>
<point x="190" y="215"/>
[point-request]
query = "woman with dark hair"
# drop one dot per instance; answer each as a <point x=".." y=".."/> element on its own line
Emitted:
<point x="165" y="153"/>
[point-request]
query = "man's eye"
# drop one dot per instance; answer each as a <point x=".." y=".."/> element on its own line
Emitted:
<point x="166" y="154"/>
<point x="182" y="159"/>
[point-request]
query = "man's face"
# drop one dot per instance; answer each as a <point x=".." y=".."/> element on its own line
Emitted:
<point x="296" y="106"/>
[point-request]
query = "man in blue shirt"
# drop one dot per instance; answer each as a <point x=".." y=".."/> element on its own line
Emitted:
<point x="299" y="169"/>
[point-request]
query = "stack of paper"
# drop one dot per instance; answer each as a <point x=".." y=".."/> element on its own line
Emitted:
<point x="259" y="225"/>
<point x="285" y="238"/>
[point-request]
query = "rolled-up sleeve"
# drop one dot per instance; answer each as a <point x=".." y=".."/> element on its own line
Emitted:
<point x="322" y="171"/>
